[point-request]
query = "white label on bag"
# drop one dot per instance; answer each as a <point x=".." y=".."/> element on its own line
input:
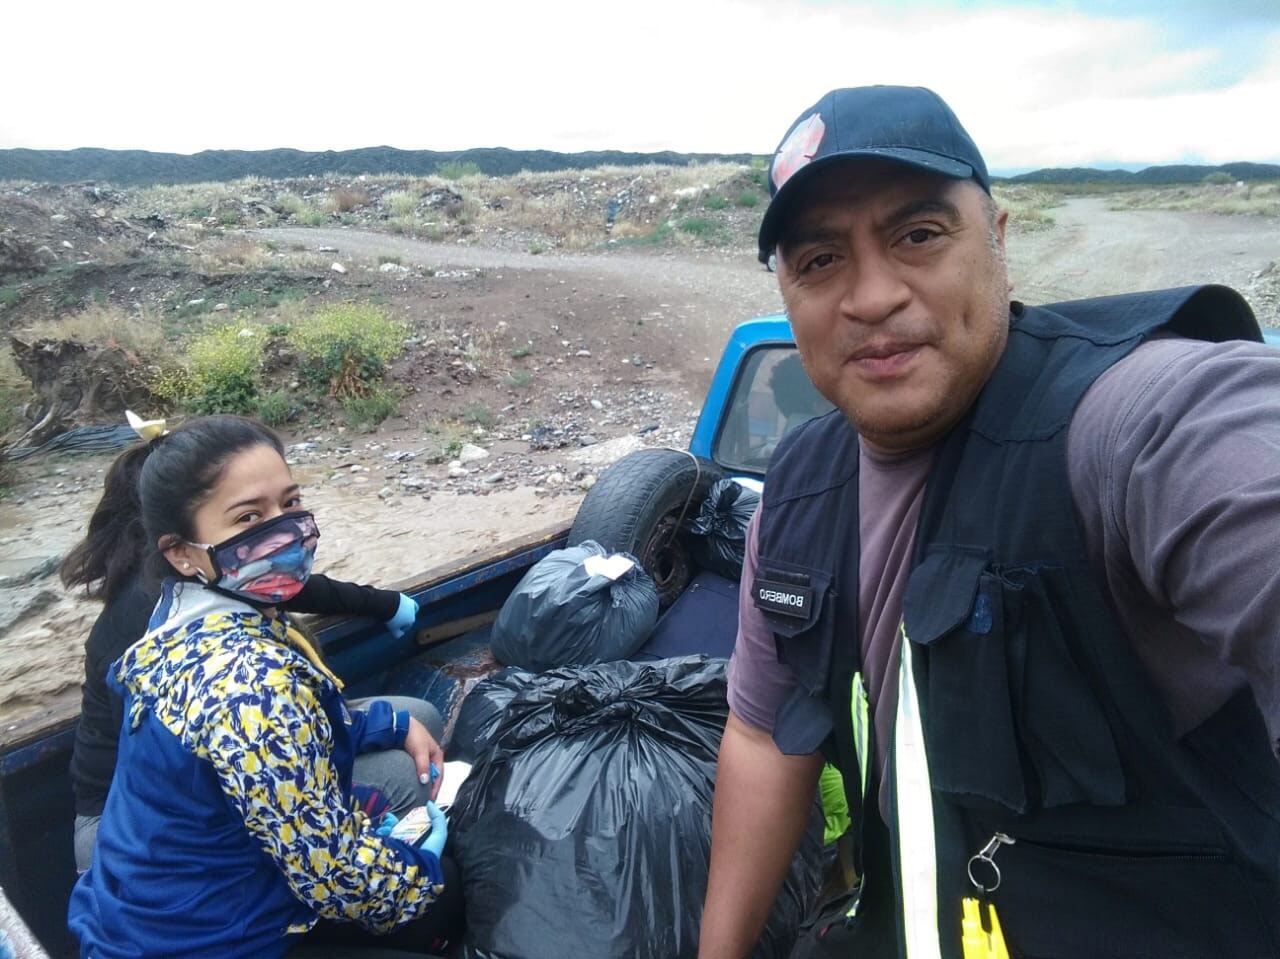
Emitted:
<point x="612" y="567"/>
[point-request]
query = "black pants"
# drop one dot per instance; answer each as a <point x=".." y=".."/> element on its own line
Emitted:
<point x="433" y="934"/>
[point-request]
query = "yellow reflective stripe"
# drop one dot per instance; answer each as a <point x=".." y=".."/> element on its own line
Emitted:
<point x="917" y="850"/>
<point x="861" y="730"/>
<point x="860" y="719"/>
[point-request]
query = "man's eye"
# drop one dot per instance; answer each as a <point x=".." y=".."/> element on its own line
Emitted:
<point x="819" y="262"/>
<point x="919" y="236"/>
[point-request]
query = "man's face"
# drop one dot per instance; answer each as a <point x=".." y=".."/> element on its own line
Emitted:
<point x="896" y="287"/>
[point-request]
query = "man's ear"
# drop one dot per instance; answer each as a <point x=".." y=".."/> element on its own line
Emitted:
<point x="183" y="557"/>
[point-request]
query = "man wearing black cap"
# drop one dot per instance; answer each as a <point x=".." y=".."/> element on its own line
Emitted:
<point x="1021" y="587"/>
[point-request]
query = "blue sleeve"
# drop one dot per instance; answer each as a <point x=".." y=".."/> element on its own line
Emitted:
<point x="270" y="755"/>
<point x="378" y="727"/>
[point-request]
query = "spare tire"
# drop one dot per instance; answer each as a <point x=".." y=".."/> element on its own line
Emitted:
<point x="638" y="505"/>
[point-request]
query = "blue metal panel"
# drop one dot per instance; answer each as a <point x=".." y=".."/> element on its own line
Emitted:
<point x="752" y="333"/>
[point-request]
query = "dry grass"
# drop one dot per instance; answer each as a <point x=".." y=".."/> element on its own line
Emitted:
<point x="346" y="199"/>
<point x="1254" y="198"/>
<point x="138" y="332"/>
<point x="234" y="255"/>
<point x="1028" y="206"/>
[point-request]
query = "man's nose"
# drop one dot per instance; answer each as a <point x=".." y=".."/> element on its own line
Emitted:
<point x="874" y="290"/>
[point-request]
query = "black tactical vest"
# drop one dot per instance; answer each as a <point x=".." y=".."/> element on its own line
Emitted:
<point x="1038" y="720"/>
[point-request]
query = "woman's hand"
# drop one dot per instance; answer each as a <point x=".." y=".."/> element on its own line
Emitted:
<point x="405" y="616"/>
<point x="427" y="755"/>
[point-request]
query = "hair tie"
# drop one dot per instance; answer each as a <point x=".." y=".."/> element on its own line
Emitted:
<point x="149" y="430"/>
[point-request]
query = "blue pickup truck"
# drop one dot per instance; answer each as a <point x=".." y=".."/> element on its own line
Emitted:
<point x="637" y="506"/>
<point x="757" y="394"/>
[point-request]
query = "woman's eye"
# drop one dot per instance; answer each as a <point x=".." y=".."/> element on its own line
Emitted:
<point x="293" y="502"/>
<point x="249" y="518"/>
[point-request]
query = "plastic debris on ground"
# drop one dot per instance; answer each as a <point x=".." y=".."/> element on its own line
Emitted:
<point x="577" y="606"/>
<point x="584" y="828"/>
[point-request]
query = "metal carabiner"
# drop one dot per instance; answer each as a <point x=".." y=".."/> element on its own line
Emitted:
<point x="988" y="855"/>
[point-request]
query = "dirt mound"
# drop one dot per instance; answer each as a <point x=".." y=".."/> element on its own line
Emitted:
<point x="19" y="258"/>
<point x="77" y="385"/>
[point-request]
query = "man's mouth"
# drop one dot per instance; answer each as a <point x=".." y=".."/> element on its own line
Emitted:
<point x="884" y="360"/>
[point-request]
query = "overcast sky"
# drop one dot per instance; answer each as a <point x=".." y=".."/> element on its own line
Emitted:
<point x="1089" y="82"/>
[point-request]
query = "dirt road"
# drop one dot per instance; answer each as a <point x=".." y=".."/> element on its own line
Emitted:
<point x="708" y="292"/>
<point x="1093" y="251"/>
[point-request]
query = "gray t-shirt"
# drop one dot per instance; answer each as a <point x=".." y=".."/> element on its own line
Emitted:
<point x="1173" y="457"/>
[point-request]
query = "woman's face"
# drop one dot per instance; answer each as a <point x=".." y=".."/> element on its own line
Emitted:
<point x="255" y="486"/>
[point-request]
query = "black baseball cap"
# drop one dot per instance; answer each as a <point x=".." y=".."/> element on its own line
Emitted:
<point x="910" y="125"/>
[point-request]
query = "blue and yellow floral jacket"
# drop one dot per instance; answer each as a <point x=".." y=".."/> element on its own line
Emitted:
<point x="229" y="827"/>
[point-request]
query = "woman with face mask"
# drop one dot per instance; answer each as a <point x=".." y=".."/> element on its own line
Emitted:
<point x="232" y="827"/>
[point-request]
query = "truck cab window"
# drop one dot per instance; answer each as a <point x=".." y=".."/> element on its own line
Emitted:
<point x="772" y="396"/>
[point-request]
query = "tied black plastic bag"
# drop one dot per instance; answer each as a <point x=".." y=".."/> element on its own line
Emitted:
<point x="585" y="828"/>
<point x="720" y="528"/>
<point x="481" y="712"/>
<point x="565" y="612"/>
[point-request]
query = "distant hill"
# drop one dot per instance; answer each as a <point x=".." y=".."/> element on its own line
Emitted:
<point x="1151" y="176"/>
<point x="140" y="167"/>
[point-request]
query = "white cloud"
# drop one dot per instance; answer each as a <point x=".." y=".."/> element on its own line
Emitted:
<point x="1036" y="86"/>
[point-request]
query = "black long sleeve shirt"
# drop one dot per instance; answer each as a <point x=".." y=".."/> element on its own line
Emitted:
<point x="122" y="623"/>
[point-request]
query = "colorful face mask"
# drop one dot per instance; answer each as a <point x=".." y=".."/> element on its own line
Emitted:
<point x="268" y="563"/>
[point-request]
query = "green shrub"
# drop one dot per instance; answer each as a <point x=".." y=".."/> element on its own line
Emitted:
<point x="478" y="414"/>
<point x="347" y="348"/>
<point x="291" y="204"/>
<point x="313" y="217"/>
<point x="10" y="295"/>
<point x="715" y="202"/>
<point x="748" y="199"/>
<point x="401" y="203"/>
<point x="11" y="402"/>
<point x="1217" y="178"/>
<point x="698" y="226"/>
<point x="370" y="409"/>
<point x="520" y="352"/>
<point x="276" y="408"/>
<point x="222" y="371"/>
<point x="246" y="299"/>
<point x="520" y="379"/>
<point x="389" y="258"/>
<point x="456" y="170"/>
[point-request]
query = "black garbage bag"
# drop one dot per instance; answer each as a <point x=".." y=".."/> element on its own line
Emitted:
<point x="585" y="828"/>
<point x="481" y="711"/>
<point x="720" y="528"/>
<point x="561" y="614"/>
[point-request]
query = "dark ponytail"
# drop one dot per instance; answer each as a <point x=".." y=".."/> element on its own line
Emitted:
<point x="111" y="552"/>
<point x="151" y="493"/>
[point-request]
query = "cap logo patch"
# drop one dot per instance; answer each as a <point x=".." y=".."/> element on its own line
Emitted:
<point x="798" y="149"/>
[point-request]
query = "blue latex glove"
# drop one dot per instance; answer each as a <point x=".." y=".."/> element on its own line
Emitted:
<point x="434" y="843"/>
<point x="406" y="615"/>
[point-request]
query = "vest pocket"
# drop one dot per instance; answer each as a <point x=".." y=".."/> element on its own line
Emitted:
<point x="1064" y="902"/>
<point x="1009" y="714"/>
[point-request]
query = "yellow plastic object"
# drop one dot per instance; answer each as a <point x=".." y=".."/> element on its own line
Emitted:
<point x="976" y="941"/>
